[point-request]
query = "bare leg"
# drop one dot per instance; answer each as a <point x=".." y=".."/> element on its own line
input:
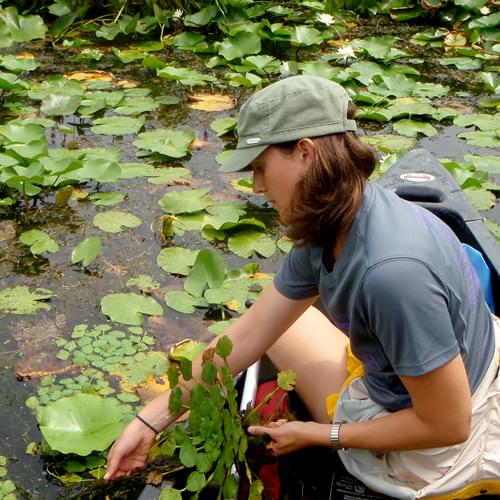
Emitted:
<point x="316" y="350"/>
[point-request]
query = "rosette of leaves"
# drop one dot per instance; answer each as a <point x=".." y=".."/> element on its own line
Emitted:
<point x="214" y="438"/>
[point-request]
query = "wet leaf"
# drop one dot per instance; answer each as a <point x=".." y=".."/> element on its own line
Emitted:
<point x="481" y="198"/>
<point x="224" y="347"/>
<point x="177" y="260"/>
<point x="389" y="143"/>
<point x="86" y="251"/>
<point x="245" y="243"/>
<point x="81" y="423"/>
<point x="136" y="375"/>
<point x="185" y="76"/>
<point x="223" y="126"/>
<point x="170" y="175"/>
<point x="305" y="36"/>
<point x="487" y="163"/>
<point x="462" y="63"/>
<point x="412" y="128"/>
<point x="208" y="270"/>
<point x="184" y="202"/>
<point x="480" y="120"/>
<point x="129" y="308"/>
<point x="487" y="139"/>
<point x="171" y="143"/>
<point x="242" y="44"/>
<point x="117" y="125"/>
<point x="56" y="105"/>
<point x="17" y="65"/>
<point x="107" y="198"/>
<point x="38" y="241"/>
<point x="211" y="102"/>
<point x="181" y="301"/>
<point x="20" y="28"/>
<point x="113" y="221"/>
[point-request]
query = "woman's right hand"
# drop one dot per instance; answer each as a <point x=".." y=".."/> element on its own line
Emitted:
<point x="130" y="451"/>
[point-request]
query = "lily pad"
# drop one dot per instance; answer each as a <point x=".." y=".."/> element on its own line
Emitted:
<point x="170" y="176"/>
<point x="113" y="221"/>
<point x="389" y="143"/>
<point x="240" y="45"/>
<point x="107" y="198"/>
<point x="245" y="243"/>
<point x="412" y="128"/>
<point x="86" y="251"/>
<point x="171" y="143"/>
<point x="185" y="76"/>
<point x="117" y="125"/>
<point x="185" y="202"/>
<point x="208" y="269"/>
<point x="481" y="198"/>
<point x="129" y="308"/>
<point x="81" y="423"/>
<point x="177" y="260"/>
<point x="38" y="241"/>
<point x="19" y="300"/>
<point x="181" y="301"/>
<point x="57" y="105"/>
<point x="143" y="282"/>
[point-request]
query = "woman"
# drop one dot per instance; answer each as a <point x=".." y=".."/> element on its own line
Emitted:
<point x="400" y="295"/>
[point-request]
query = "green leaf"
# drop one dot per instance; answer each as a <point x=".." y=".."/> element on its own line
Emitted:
<point x="57" y="105"/>
<point x="99" y="169"/>
<point x="223" y="126"/>
<point x="38" y="241"/>
<point x="208" y="269"/>
<point x="389" y="143"/>
<point x="175" y="401"/>
<point x="196" y="481"/>
<point x="481" y="198"/>
<point x="284" y="244"/>
<point x="170" y="493"/>
<point x="230" y="489"/>
<point x="185" y="76"/>
<point x="113" y="221"/>
<point x="187" y="454"/>
<point x="480" y="120"/>
<point x="11" y="63"/>
<point x="487" y="163"/>
<point x="107" y="198"/>
<point x="245" y="243"/>
<point x="117" y="125"/>
<point x="487" y="139"/>
<point x="412" y="128"/>
<point x="462" y="63"/>
<point x="224" y="347"/>
<point x="171" y="143"/>
<point x="493" y="227"/>
<point x="86" y="251"/>
<point x="177" y="260"/>
<point x="304" y="36"/>
<point x="286" y="380"/>
<point x="187" y="349"/>
<point x="129" y="308"/>
<point x="21" y="28"/>
<point x="182" y="301"/>
<point x="238" y="46"/>
<point x="81" y="423"/>
<point x="184" y="202"/>
<point x="170" y="175"/>
<point x="208" y="372"/>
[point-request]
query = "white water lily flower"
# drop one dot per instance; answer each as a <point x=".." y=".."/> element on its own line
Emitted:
<point x="484" y="10"/>
<point x="346" y="51"/>
<point x="178" y="14"/>
<point x="326" y="19"/>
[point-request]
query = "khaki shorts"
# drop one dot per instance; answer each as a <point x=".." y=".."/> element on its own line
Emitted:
<point x="429" y="472"/>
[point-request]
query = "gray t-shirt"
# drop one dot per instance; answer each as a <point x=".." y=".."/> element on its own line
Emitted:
<point x="404" y="292"/>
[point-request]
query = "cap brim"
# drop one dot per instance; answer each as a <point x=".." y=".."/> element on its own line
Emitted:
<point x="241" y="158"/>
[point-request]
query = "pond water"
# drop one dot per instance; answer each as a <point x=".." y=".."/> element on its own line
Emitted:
<point x="27" y="342"/>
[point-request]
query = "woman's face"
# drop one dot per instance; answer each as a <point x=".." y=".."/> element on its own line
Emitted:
<point x="277" y="172"/>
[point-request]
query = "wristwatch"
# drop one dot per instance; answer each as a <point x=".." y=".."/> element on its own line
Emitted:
<point x="334" y="436"/>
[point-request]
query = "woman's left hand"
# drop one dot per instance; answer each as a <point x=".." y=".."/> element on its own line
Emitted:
<point x="286" y="436"/>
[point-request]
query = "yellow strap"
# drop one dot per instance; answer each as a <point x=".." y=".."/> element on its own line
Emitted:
<point x="487" y="487"/>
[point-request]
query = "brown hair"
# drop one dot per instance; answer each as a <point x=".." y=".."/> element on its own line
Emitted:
<point x="327" y="198"/>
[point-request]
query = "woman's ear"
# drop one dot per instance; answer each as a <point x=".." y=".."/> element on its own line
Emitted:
<point x="306" y="149"/>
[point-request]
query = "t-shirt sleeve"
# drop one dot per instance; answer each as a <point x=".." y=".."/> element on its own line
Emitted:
<point x="405" y="305"/>
<point x="296" y="279"/>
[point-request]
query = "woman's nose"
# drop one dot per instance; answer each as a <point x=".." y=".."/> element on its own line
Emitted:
<point x="258" y="184"/>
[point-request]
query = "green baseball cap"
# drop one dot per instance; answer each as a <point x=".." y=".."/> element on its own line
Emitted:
<point x="288" y="110"/>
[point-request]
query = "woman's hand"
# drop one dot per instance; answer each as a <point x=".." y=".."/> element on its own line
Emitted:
<point x="288" y="436"/>
<point x="130" y="451"/>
